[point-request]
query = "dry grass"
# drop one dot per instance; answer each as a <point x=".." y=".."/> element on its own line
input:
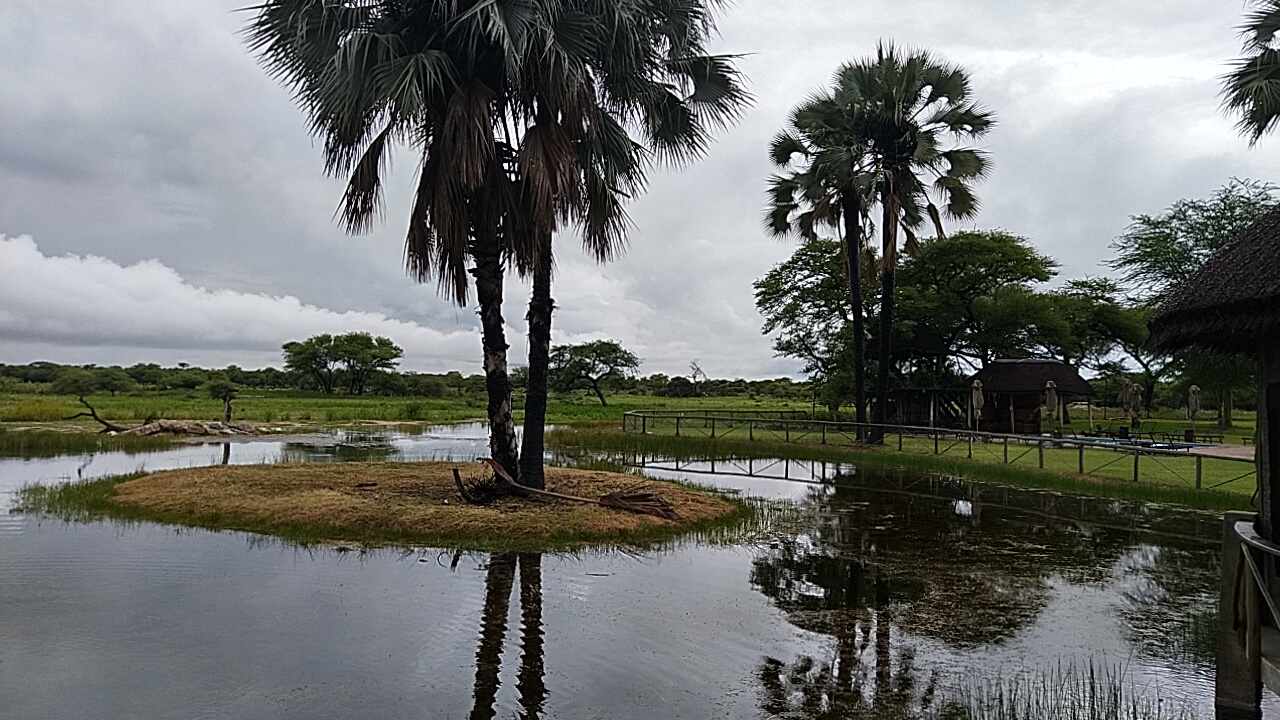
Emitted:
<point x="407" y="503"/>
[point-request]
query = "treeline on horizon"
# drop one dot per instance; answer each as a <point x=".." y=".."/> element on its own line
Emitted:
<point x="38" y="377"/>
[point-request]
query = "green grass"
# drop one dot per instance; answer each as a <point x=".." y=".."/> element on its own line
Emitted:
<point x="94" y="500"/>
<point x="1065" y="692"/>
<point x="702" y="448"/>
<point x="29" y="444"/>
<point x="286" y="407"/>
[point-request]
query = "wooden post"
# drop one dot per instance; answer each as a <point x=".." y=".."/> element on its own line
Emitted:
<point x="970" y="436"/>
<point x="900" y="431"/>
<point x="935" y="441"/>
<point x="644" y="424"/>
<point x="1238" y="687"/>
<point x="1040" y="452"/>
<point x="824" y="433"/>
<point x="1136" y="455"/>
<point x="677" y="426"/>
<point x="1006" y="449"/>
<point x="1199" y="469"/>
<point x="713" y="427"/>
<point x="1080" y="446"/>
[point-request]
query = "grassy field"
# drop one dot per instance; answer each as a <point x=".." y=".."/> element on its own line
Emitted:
<point x="1175" y="470"/>
<point x="1233" y="496"/>
<point x="294" y="407"/>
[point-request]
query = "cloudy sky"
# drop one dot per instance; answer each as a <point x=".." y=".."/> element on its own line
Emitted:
<point x="161" y="200"/>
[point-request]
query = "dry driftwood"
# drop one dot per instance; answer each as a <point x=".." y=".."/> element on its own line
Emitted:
<point x="106" y="426"/>
<point x="192" y="427"/>
<point x="631" y="499"/>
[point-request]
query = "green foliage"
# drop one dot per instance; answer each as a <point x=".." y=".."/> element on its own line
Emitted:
<point x="223" y="390"/>
<point x="1252" y="89"/>
<point x="977" y="291"/>
<point x="589" y="365"/>
<point x="75" y="381"/>
<point x="1159" y="252"/>
<point x="353" y="358"/>
<point x="114" y="380"/>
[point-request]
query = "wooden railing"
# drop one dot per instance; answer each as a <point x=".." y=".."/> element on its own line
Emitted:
<point x="1248" y="641"/>
<point x="1158" y="460"/>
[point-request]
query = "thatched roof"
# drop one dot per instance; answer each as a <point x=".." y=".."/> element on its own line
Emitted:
<point x="1232" y="303"/>
<point x="1030" y="375"/>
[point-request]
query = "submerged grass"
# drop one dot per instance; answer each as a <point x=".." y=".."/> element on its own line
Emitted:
<point x="28" y="444"/>
<point x="695" y="448"/>
<point x="383" y="504"/>
<point x="1066" y="692"/>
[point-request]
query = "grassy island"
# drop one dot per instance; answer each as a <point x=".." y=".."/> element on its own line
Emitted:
<point x="381" y="504"/>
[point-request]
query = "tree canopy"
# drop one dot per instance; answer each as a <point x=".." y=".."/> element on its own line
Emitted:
<point x="333" y="359"/>
<point x="589" y="365"/>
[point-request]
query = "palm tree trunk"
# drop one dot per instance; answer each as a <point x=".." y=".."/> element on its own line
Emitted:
<point x="541" y="306"/>
<point x="889" y="200"/>
<point x="502" y="426"/>
<point x="493" y="629"/>
<point x="530" y="684"/>
<point x="852" y="211"/>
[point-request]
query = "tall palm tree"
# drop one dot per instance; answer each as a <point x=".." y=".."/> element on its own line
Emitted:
<point x="1252" y="89"/>
<point x="518" y="111"/>
<point x="908" y="103"/>
<point x="638" y="65"/>
<point x="831" y="184"/>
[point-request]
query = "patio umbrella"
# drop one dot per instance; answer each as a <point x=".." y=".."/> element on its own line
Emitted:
<point x="1051" y="399"/>
<point x="1135" y="403"/>
<point x="976" y="401"/>
<point x="1193" y="402"/>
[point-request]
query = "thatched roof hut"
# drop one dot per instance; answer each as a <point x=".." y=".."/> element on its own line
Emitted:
<point x="1014" y="391"/>
<point x="1233" y="301"/>
<point x="1029" y="375"/>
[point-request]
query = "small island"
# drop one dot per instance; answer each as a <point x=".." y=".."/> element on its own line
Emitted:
<point x="387" y="504"/>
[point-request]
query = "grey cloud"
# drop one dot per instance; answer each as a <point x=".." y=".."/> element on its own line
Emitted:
<point x="145" y="130"/>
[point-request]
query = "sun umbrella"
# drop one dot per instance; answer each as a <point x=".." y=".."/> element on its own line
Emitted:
<point x="1051" y="399"/>
<point x="1193" y="402"/>
<point x="1135" y="403"/>
<point x="976" y="401"/>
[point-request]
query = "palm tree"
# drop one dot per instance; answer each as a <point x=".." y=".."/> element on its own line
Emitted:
<point x="644" y="67"/>
<point x="832" y="185"/>
<point x="906" y="103"/>
<point x="1252" y="89"/>
<point x="518" y="111"/>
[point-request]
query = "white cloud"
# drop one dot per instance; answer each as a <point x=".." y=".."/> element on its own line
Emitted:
<point x="90" y="302"/>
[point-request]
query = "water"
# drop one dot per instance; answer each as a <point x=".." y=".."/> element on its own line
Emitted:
<point x="886" y="586"/>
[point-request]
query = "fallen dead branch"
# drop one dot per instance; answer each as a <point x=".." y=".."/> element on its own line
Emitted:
<point x="631" y="499"/>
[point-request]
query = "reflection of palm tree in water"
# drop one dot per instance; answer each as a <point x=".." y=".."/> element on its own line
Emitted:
<point x="493" y="629"/>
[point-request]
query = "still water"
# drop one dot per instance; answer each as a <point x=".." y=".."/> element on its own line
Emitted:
<point x="881" y="594"/>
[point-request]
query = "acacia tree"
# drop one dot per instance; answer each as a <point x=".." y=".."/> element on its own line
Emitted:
<point x="591" y="364"/>
<point x="1157" y="253"/>
<point x="226" y="391"/>
<point x="361" y="355"/>
<point x="316" y="357"/>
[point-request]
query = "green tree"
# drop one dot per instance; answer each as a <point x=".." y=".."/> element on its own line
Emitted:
<point x="114" y="380"/>
<point x="804" y="300"/>
<point x="316" y="358"/>
<point x="976" y="290"/>
<point x="75" y="381"/>
<point x="590" y="365"/>
<point x="1157" y="253"/>
<point x="908" y="103"/>
<point x="224" y="390"/>
<point x="1252" y="89"/>
<point x="519" y="111"/>
<point x="361" y="354"/>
